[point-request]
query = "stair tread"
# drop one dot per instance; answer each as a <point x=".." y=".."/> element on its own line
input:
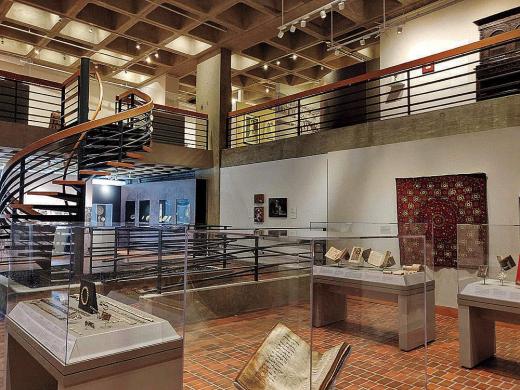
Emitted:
<point x="134" y="155"/>
<point x="69" y="182"/>
<point x="93" y="172"/>
<point x="147" y="148"/>
<point x="26" y="208"/>
<point x="119" y="164"/>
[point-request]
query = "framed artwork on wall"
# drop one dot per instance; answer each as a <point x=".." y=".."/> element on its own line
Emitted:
<point x="183" y="211"/>
<point x="278" y="207"/>
<point x="259" y="198"/>
<point x="259" y="214"/>
<point x="252" y="133"/>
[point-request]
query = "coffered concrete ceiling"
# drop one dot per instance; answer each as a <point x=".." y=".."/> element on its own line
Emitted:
<point x="148" y="38"/>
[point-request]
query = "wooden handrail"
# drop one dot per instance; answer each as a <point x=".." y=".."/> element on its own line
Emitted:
<point x="70" y="79"/>
<point x="81" y="128"/>
<point x="176" y="110"/>
<point x="465" y="49"/>
<point x="29" y="79"/>
<point x="133" y="91"/>
<point x="100" y="101"/>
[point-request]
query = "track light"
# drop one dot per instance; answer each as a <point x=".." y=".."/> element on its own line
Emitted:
<point x="278" y="62"/>
<point x="362" y="42"/>
<point x="267" y="90"/>
<point x="156" y="55"/>
<point x="293" y="28"/>
<point x="138" y="46"/>
<point x="266" y="67"/>
<point x="294" y="57"/>
<point x="148" y="60"/>
<point x="303" y="23"/>
<point x="323" y="14"/>
<point x="281" y="33"/>
<point x="341" y="5"/>
<point x="400" y="29"/>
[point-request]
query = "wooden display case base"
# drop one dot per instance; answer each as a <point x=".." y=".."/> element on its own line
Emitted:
<point x="30" y="367"/>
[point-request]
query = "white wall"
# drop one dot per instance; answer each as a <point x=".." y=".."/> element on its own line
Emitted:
<point x="303" y="181"/>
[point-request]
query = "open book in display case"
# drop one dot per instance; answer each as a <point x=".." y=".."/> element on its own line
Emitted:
<point x="271" y="315"/>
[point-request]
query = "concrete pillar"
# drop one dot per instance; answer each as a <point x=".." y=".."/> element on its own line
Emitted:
<point x="171" y="88"/>
<point x="214" y="99"/>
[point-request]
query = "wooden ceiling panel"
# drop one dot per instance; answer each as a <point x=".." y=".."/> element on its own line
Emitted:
<point x="131" y="6"/>
<point x="148" y="32"/>
<point x="242" y="16"/>
<point x="102" y="17"/>
<point x="208" y="32"/>
<point x="264" y="51"/>
<point x="171" y="16"/>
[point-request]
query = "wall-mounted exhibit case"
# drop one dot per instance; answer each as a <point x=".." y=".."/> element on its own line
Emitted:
<point x="93" y="326"/>
<point x="489" y="288"/>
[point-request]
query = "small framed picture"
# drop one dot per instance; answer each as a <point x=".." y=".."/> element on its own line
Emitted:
<point x="259" y="214"/>
<point x="259" y="198"/>
<point x="278" y="207"/>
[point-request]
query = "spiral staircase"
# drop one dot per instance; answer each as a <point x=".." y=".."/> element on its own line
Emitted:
<point x="65" y="161"/>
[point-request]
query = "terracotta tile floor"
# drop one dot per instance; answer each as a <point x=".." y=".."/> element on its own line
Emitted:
<point x="216" y="350"/>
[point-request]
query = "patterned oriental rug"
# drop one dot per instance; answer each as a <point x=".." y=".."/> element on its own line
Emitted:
<point x="440" y="203"/>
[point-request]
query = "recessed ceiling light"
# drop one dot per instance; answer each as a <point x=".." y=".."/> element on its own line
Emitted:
<point x="294" y="57"/>
<point x="148" y="59"/>
<point x="32" y="16"/>
<point x="188" y="45"/>
<point x="156" y="54"/>
<point x="266" y="67"/>
<point x="239" y="62"/>
<point x="278" y="62"/>
<point x="321" y="67"/>
<point x="138" y="46"/>
<point x="267" y="90"/>
<point x="84" y="32"/>
<point x="293" y="28"/>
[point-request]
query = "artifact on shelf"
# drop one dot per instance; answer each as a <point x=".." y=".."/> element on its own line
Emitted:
<point x="336" y="255"/>
<point x="506" y="263"/>
<point x="381" y="260"/>
<point x="88" y="297"/>
<point x="283" y="360"/>
<point x="483" y="272"/>
<point x="406" y="270"/>
<point x="359" y="255"/>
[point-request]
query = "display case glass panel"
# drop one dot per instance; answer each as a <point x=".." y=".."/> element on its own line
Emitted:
<point x="79" y="304"/>
<point x="243" y="284"/>
<point x="144" y="211"/>
<point x="101" y="214"/>
<point x="166" y="212"/>
<point x="183" y="211"/>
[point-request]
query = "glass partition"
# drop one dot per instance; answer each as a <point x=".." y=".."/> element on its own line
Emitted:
<point x="489" y="298"/>
<point x="349" y="296"/>
<point x="81" y="306"/>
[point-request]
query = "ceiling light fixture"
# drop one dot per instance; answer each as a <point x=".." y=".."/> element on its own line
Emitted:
<point x="400" y="29"/>
<point x="323" y="14"/>
<point x="266" y="66"/>
<point x="337" y="52"/>
<point x="278" y="62"/>
<point x="281" y="34"/>
<point x="2" y="41"/>
<point x="293" y="28"/>
<point x="294" y="57"/>
<point x="90" y="30"/>
<point x="362" y="42"/>
<point x="156" y="55"/>
<point x="37" y="51"/>
<point x="341" y="5"/>
<point x="138" y="46"/>
<point x="148" y="59"/>
<point x="267" y="90"/>
<point x="303" y="23"/>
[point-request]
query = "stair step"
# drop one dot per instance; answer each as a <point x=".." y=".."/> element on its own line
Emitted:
<point x="74" y="183"/>
<point x="56" y="207"/>
<point x="28" y="209"/>
<point x="55" y="194"/>
<point x="92" y="172"/>
<point x="45" y="218"/>
<point x="134" y="155"/>
<point x="147" y="149"/>
<point x="120" y="164"/>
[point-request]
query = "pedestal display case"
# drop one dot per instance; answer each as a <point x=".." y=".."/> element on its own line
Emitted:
<point x="489" y="291"/>
<point x="262" y="287"/>
<point x="70" y="328"/>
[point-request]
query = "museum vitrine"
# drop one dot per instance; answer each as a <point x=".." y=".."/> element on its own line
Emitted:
<point x="488" y="291"/>
<point x="79" y="308"/>
<point x="253" y="290"/>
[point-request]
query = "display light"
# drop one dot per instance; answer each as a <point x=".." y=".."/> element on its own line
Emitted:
<point x="303" y="23"/>
<point x="294" y="57"/>
<point x="267" y="90"/>
<point x="293" y="28"/>
<point x="266" y="67"/>
<point x="278" y="62"/>
<point x="156" y="55"/>
<point x="37" y="51"/>
<point x="148" y="60"/>
<point x="400" y="29"/>
<point x="281" y="34"/>
<point x="323" y="14"/>
<point x="362" y="42"/>
<point x="138" y="46"/>
<point x="341" y="5"/>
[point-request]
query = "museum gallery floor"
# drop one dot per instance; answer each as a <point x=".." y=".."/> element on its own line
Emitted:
<point x="218" y="349"/>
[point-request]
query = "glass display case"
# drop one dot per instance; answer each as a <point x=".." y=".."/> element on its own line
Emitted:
<point x="488" y="292"/>
<point x="246" y="287"/>
<point x="166" y="212"/>
<point x="81" y="309"/>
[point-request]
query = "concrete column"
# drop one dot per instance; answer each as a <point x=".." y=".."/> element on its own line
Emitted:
<point x="171" y="88"/>
<point x="214" y="99"/>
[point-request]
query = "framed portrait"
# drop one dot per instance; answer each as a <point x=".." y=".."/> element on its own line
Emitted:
<point x="278" y="207"/>
<point x="252" y="130"/>
<point x="259" y="214"/>
<point x="259" y="199"/>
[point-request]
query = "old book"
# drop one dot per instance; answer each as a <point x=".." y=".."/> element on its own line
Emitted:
<point x="336" y="255"/>
<point x="358" y="255"/>
<point x="283" y="361"/>
<point x="381" y="260"/>
<point x="506" y="263"/>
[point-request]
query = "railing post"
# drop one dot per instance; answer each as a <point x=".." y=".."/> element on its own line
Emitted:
<point x="84" y="90"/>
<point x="21" y="182"/>
<point x="62" y="117"/>
<point x="299" y="128"/>
<point x="409" y="99"/>
<point x="159" y="262"/>
<point x="16" y="101"/>
<point x="256" y="259"/>
<point x="91" y="232"/>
